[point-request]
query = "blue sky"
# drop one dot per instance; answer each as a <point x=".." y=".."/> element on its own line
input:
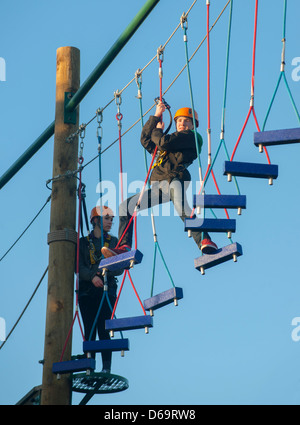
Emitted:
<point x="230" y="339"/>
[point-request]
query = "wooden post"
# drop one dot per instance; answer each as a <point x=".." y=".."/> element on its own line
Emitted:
<point x="62" y="236"/>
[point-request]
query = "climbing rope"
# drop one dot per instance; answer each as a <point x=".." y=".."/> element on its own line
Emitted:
<point x="154" y="232"/>
<point x="76" y="315"/>
<point x="25" y="308"/>
<point x="282" y="75"/>
<point x="24" y="231"/>
<point x="251" y="109"/>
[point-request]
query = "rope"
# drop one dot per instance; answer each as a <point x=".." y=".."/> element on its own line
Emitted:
<point x="76" y="315"/>
<point x="25" y="308"/>
<point x="156" y="243"/>
<point x="184" y="27"/>
<point x="251" y="109"/>
<point x="168" y="88"/>
<point x="24" y="231"/>
<point x="120" y="290"/>
<point x="282" y="73"/>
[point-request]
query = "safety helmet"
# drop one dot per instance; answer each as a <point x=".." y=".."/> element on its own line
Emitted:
<point x="96" y="212"/>
<point x="186" y="112"/>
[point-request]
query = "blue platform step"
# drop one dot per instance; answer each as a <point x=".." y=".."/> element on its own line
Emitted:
<point x="220" y="201"/>
<point x="129" y="323"/>
<point x="74" y="366"/>
<point x="250" y="169"/>
<point x="122" y="261"/>
<point x="276" y="137"/>
<point x="210" y="224"/>
<point x="164" y="298"/>
<point x="227" y="253"/>
<point x="100" y="346"/>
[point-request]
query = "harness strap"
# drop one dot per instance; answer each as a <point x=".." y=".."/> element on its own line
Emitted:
<point x="92" y="248"/>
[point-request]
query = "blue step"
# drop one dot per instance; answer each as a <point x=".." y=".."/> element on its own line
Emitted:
<point x="122" y="261"/>
<point x="129" y="323"/>
<point x="220" y="201"/>
<point x="74" y="366"/>
<point x="121" y="344"/>
<point x="277" y="137"/>
<point x="227" y="253"/>
<point x="164" y="298"/>
<point x="251" y="169"/>
<point x="210" y="224"/>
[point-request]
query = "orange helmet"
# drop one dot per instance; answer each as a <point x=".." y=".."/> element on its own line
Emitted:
<point x="96" y="212"/>
<point x="186" y="112"/>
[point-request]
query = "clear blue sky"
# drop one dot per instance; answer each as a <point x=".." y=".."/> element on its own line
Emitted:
<point x="230" y="339"/>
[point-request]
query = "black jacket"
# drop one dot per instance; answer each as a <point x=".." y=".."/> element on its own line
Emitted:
<point x="179" y="147"/>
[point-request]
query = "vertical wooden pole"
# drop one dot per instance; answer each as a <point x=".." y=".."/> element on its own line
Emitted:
<point x="62" y="236"/>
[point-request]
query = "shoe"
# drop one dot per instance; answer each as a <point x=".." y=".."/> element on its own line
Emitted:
<point x="105" y="371"/>
<point x="111" y="252"/>
<point x="208" y="246"/>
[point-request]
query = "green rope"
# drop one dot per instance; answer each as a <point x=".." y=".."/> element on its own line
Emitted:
<point x="191" y="96"/>
<point x="156" y="244"/>
<point x="282" y="75"/>
<point x="222" y="140"/>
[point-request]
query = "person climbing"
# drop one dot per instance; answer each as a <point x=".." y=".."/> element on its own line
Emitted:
<point x="91" y="285"/>
<point x="169" y="178"/>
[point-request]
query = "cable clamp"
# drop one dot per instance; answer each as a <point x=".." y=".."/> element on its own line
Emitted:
<point x="160" y="53"/>
<point x="183" y="21"/>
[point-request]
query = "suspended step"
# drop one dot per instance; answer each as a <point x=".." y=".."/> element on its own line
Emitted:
<point x="98" y="383"/>
<point x="164" y="298"/>
<point x="129" y="323"/>
<point x="220" y="201"/>
<point x="227" y="253"/>
<point x="71" y="366"/>
<point x="251" y="169"/>
<point x="276" y="137"/>
<point x="122" y="261"/>
<point x="210" y="224"/>
<point x="121" y="344"/>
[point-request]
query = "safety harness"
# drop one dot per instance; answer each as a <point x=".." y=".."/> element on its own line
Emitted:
<point x="92" y="250"/>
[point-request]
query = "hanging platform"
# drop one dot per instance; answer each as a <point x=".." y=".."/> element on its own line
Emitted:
<point x="220" y="201"/>
<point x="276" y="137"/>
<point x="121" y="344"/>
<point x="129" y="323"/>
<point x="71" y="366"/>
<point x="250" y="169"/>
<point x="227" y="253"/>
<point x="122" y="261"/>
<point x="210" y="224"/>
<point x="164" y="298"/>
<point x="98" y="383"/>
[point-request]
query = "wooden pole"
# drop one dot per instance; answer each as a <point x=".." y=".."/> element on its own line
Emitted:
<point x="62" y="236"/>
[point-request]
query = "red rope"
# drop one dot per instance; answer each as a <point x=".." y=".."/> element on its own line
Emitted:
<point x="119" y="293"/>
<point x="140" y="197"/>
<point x="80" y="160"/>
<point x="119" y="117"/>
<point x="251" y="109"/>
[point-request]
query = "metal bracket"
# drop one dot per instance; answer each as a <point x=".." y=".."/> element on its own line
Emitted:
<point x="69" y="117"/>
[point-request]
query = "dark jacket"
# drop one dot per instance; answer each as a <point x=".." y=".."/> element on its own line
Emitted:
<point x="179" y="147"/>
<point x="87" y="270"/>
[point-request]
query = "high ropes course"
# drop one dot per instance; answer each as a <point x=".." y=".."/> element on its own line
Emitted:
<point x="82" y="367"/>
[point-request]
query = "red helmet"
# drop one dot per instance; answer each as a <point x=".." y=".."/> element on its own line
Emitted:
<point x="96" y="212"/>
